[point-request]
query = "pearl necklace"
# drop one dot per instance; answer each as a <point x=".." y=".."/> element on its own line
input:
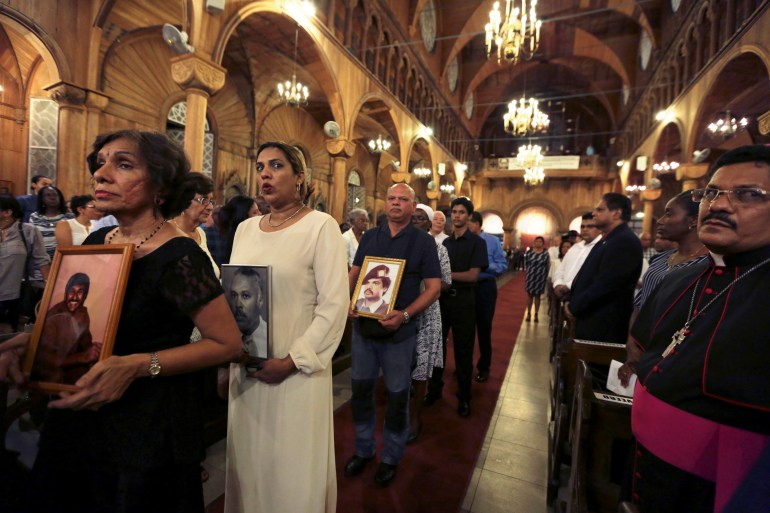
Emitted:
<point x="156" y="230"/>
<point x="682" y="333"/>
<point x="270" y="218"/>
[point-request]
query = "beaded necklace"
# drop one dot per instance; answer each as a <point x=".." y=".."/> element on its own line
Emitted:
<point x="156" y="230"/>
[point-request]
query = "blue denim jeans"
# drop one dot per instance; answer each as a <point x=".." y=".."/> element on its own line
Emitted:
<point x="395" y="360"/>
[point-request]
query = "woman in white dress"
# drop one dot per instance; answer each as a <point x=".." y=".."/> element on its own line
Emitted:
<point x="280" y="435"/>
<point x="72" y="232"/>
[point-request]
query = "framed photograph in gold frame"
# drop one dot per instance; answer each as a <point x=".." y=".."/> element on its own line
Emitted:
<point x="78" y="316"/>
<point x="377" y="286"/>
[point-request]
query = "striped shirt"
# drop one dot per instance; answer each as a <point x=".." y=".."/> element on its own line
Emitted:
<point x="657" y="271"/>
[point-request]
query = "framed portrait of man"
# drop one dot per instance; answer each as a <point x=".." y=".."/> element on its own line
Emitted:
<point x="78" y="316"/>
<point x="377" y="286"/>
<point x="247" y="289"/>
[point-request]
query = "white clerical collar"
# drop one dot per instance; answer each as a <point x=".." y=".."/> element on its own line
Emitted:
<point x="719" y="260"/>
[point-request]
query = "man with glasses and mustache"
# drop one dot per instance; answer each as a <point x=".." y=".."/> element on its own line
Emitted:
<point x="66" y="349"/>
<point x="573" y="260"/>
<point x="701" y="412"/>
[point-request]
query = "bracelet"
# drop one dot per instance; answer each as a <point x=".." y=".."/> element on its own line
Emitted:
<point x="406" y="316"/>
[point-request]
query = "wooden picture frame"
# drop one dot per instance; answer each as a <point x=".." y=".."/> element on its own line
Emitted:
<point x="79" y="314"/>
<point x="385" y="274"/>
<point x="248" y="292"/>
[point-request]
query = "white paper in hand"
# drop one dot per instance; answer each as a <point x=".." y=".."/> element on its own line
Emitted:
<point x="613" y="382"/>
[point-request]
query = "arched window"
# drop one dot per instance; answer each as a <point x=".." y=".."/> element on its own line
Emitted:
<point x="356" y="192"/>
<point x="43" y="137"/>
<point x="175" y="123"/>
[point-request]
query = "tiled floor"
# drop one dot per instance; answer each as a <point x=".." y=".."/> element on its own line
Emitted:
<point x="510" y="474"/>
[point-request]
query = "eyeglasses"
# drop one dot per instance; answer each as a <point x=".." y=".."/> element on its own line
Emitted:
<point x="206" y="201"/>
<point x="588" y="226"/>
<point x="739" y="195"/>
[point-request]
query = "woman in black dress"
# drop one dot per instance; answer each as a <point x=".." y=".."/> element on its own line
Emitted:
<point x="537" y="261"/>
<point x="131" y="439"/>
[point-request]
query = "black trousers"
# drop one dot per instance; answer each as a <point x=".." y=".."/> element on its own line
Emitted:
<point x="486" y="300"/>
<point x="458" y="313"/>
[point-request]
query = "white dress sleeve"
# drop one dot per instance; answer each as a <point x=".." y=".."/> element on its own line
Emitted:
<point x="314" y="349"/>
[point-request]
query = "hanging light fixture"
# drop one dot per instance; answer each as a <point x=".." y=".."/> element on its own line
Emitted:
<point x="378" y="145"/>
<point x="726" y="125"/>
<point x="422" y="172"/>
<point x="291" y="92"/>
<point x="635" y="189"/>
<point x="665" y="167"/>
<point x="515" y="35"/>
<point x="534" y="176"/>
<point x="447" y="188"/>
<point x="530" y="158"/>
<point x="524" y="117"/>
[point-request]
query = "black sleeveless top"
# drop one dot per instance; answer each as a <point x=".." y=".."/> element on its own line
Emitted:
<point x="157" y="421"/>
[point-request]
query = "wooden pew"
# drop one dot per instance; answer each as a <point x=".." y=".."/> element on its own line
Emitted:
<point x="565" y="372"/>
<point x="600" y="431"/>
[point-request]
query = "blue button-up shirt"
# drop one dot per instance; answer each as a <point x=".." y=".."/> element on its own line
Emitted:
<point x="497" y="262"/>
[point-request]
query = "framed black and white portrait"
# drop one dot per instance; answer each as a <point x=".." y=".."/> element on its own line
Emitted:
<point x="247" y="289"/>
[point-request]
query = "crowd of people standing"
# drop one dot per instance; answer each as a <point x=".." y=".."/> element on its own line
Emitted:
<point x="130" y="437"/>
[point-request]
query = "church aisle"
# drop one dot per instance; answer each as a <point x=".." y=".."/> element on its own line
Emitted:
<point x="510" y="474"/>
<point x="510" y="471"/>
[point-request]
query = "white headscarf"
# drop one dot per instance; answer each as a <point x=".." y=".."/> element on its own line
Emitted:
<point x="425" y="208"/>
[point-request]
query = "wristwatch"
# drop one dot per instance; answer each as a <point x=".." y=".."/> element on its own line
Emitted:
<point x="155" y="368"/>
<point x="406" y="316"/>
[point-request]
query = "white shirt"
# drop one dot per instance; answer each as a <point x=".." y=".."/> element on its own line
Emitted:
<point x="572" y="262"/>
<point x="440" y="237"/>
<point x="256" y="343"/>
<point x="351" y="245"/>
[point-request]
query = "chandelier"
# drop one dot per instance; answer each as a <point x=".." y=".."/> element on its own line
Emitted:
<point x="378" y="145"/>
<point x="447" y="188"/>
<point x="635" y="189"/>
<point x="726" y="126"/>
<point x="524" y="117"/>
<point x="665" y="167"/>
<point x="422" y="172"/>
<point x="529" y="156"/>
<point x="531" y="160"/>
<point x="293" y="93"/>
<point x="517" y="34"/>
<point x="534" y="176"/>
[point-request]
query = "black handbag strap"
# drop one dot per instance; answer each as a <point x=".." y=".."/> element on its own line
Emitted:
<point x="26" y="248"/>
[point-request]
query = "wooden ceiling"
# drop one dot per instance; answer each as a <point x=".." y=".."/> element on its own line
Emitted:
<point x="588" y="55"/>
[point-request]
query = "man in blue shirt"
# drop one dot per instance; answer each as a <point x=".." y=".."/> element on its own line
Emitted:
<point x="389" y="343"/>
<point x="486" y="295"/>
<point x="28" y="202"/>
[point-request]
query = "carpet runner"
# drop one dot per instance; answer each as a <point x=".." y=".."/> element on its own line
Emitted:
<point x="436" y="470"/>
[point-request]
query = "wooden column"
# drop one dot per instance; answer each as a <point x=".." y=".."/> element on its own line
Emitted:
<point x="690" y="175"/>
<point x="95" y="105"/>
<point x="72" y="176"/>
<point x="649" y="197"/>
<point x="340" y="151"/>
<point x="200" y="78"/>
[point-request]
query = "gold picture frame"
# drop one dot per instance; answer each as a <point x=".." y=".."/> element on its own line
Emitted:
<point x="384" y="273"/>
<point x="79" y="314"/>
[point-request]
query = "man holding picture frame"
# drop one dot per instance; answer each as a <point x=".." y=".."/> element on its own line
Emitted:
<point x="388" y="342"/>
